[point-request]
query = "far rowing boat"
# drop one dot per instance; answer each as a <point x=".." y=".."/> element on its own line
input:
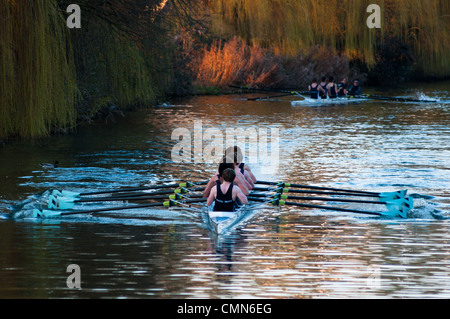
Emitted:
<point x="340" y="100"/>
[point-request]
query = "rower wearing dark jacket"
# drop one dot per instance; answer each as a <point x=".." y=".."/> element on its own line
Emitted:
<point x="324" y="89"/>
<point x="225" y="194"/>
<point x="355" y="89"/>
<point x="332" y="89"/>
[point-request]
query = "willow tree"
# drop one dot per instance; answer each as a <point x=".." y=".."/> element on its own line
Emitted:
<point x="290" y="27"/>
<point x="37" y="75"/>
<point x="124" y="54"/>
<point x="126" y="51"/>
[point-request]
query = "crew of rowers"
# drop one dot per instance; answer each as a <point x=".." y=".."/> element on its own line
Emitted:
<point x="330" y="90"/>
<point x="232" y="183"/>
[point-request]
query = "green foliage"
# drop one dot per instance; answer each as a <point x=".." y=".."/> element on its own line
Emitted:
<point x="37" y="88"/>
<point x="124" y="56"/>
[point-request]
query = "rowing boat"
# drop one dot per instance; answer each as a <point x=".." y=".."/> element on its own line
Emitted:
<point x="339" y="100"/>
<point x="221" y="222"/>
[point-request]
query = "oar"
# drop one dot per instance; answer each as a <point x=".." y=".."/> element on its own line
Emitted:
<point x="383" y="196"/>
<point x="395" y="213"/>
<point x="121" y="190"/>
<point x="403" y="213"/>
<point x="58" y="194"/>
<point x="388" y="98"/>
<point x="52" y="213"/>
<point x="395" y="204"/>
<point x="285" y="185"/>
<point x="65" y="203"/>
<point x="270" y="97"/>
<point x="268" y="90"/>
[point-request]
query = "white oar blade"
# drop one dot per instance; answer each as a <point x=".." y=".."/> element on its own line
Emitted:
<point x="409" y="203"/>
<point x="60" y="202"/>
<point x="65" y="203"/>
<point x="396" y="204"/>
<point x="45" y="213"/>
<point x="399" y="208"/>
<point x="67" y="194"/>
<point x="394" y="214"/>
<point x="52" y="202"/>
<point x="393" y="195"/>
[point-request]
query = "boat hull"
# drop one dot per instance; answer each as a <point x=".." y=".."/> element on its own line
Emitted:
<point x="221" y="222"/>
<point x="339" y="100"/>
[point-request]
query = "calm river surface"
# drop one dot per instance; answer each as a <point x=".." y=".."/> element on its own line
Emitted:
<point x="276" y="253"/>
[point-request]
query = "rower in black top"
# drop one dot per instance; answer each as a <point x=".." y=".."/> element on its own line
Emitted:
<point x="332" y="89"/>
<point x="315" y="90"/>
<point x="324" y="89"/>
<point x="224" y="202"/>
<point x="225" y="195"/>
<point x="212" y="182"/>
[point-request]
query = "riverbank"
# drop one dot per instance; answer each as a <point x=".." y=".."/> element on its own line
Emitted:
<point x="53" y="77"/>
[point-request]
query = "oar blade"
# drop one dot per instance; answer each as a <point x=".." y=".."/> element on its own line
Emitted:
<point x="67" y="194"/>
<point x="393" y="195"/>
<point x="45" y="213"/>
<point x="396" y="213"/>
<point x="396" y="204"/>
<point x="65" y="203"/>
<point x="399" y="208"/>
<point x="60" y="203"/>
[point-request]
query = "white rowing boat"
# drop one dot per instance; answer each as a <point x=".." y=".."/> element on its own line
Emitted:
<point x="220" y="222"/>
<point x="340" y="100"/>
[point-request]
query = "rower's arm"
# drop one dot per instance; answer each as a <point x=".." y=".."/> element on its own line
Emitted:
<point x="248" y="178"/>
<point x="209" y="186"/>
<point x="242" y="186"/>
<point x="242" y="178"/>
<point x="212" y="196"/>
<point x="252" y="176"/>
<point x="240" y="195"/>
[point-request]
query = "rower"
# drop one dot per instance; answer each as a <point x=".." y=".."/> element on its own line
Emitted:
<point x="315" y="90"/>
<point x="355" y="89"/>
<point x="236" y="153"/>
<point x="332" y="88"/>
<point x="225" y="194"/>
<point x="323" y="85"/>
<point x="212" y="182"/>
<point x="342" y="88"/>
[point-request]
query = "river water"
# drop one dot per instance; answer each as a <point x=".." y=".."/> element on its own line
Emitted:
<point x="287" y="252"/>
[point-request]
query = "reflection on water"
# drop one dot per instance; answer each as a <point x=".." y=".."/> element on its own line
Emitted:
<point x="277" y="253"/>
